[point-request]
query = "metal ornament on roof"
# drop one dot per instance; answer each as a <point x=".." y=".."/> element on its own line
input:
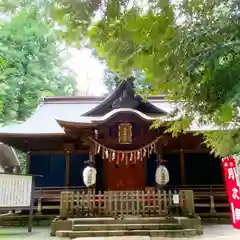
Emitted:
<point x="162" y="175"/>
<point x="89" y="176"/>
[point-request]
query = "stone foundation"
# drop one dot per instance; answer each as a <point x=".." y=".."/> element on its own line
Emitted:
<point x="191" y="223"/>
<point x="62" y="225"/>
<point x="22" y="220"/>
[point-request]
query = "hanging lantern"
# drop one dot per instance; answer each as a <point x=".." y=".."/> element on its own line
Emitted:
<point x="89" y="176"/>
<point x="162" y="175"/>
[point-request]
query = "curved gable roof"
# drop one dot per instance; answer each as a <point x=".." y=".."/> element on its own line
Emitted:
<point x="107" y="104"/>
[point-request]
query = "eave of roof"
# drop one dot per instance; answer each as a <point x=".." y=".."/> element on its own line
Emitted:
<point x="94" y="121"/>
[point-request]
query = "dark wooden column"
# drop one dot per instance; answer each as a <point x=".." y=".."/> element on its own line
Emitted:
<point x="159" y="154"/>
<point x="67" y="173"/>
<point x="182" y="167"/>
<point x="27" y="162"/>
<point x="92" y="153"/>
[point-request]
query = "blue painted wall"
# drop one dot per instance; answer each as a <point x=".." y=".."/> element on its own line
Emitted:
<point x="52" y="167"/>
<point x="151" y="170"/>
<point x="202" y="169"/>
<point x="100" y="181"/>
<point x="76" y="169"/>
<point x="173" y="166"/>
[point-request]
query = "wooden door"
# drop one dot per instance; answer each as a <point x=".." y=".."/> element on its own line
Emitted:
<point x="125" y="177"/>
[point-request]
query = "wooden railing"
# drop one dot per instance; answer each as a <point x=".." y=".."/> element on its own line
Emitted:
<point x="213" y="202"/>
<point x="198" y="188"/>
<point x="123" y="203"/>
<point x="48" y="198"/>
<point x="207" y="198"/>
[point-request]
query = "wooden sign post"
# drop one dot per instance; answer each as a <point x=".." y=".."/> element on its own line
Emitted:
<point x="17" y="193"/>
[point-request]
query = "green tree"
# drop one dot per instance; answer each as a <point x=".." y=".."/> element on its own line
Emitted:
<point x="187" y="49"/>
<point x="34" y="67"/>
<point x="112" y="79"/>
<point x="31" y="67"/>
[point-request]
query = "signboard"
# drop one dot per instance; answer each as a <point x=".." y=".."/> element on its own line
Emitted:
<point x="176" y="199"/>
<point x="15" y="190"/>
<point x="230" y="170"/>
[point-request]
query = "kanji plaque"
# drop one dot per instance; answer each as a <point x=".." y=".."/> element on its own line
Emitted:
<point x="125" y="133"/>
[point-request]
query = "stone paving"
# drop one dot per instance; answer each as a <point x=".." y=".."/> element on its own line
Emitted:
<point x="217" y="232"/>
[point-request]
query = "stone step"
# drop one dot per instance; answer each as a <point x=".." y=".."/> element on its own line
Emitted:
<point x="116" y="233"/>
<point x="128" y="220"/>
<point x="132" y="226"/>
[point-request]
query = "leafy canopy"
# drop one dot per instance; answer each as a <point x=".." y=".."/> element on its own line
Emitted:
<point x="33" y="66"/>
<point x="112" y="79"/>
<point x="30" y="67"/>
<point x="186" y="49"/>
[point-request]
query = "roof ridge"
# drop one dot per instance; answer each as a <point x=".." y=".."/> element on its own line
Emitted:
<point x="72" y="98"/>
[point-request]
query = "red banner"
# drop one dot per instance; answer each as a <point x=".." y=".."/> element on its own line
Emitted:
<point x="230" y="170"/>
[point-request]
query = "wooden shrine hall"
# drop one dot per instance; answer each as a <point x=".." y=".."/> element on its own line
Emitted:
<point x="65" y="134"/>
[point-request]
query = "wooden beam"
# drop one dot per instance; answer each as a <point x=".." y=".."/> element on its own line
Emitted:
<point x="182" y="167"/>
<point x="40" y="152"/>
<point x="67" y="170"/>
<point x="187" y="150"/>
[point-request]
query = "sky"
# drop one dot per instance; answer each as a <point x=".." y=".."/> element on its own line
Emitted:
<point x="89" y="72"/>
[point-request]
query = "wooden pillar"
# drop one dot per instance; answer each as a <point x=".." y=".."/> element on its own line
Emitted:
<point x="92" y="154"/>
<point x="159" y="153"/>
<point x="27" y="162"/>
<point x="182" y="167"/>
<point x="67" y="170"/>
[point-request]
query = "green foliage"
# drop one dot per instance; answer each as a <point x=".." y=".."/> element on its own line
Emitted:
<point x="223" y="143"/>
<point x="22" y="159"/>
<point x="33" y="66"/>
<point x="187" y="49"/>
<point x="195" y="61"/>
<point x="113" y="79"/>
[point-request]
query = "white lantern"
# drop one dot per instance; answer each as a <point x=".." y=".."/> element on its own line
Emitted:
<point x="89" y="176"/>
<point x="162" y="175"/>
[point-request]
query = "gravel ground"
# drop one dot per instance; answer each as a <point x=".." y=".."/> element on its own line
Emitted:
<point x="217" y="232"/>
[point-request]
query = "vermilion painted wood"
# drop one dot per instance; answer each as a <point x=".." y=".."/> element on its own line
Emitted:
<point x="125" y="177"/>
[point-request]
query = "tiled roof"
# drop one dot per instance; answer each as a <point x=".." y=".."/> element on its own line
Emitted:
<point x="43" y="120"/>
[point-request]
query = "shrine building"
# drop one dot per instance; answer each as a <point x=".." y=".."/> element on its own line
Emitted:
<point x="65" y="134"/>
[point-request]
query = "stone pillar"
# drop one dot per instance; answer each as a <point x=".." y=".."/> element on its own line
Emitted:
<point x="66" y="204"/>
<point x="187" y="201"/>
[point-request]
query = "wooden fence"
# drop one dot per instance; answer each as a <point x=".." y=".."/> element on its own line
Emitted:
<point x="208" y="199"/>
<point x="123" y="203"/>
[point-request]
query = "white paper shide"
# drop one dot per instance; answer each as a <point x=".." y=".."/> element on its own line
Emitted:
<point x="15" y="190"/>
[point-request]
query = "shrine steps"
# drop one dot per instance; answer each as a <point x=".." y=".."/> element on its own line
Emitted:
<point x="103" y="227"/>
<point x="117" y="233"/>
<point x="134" y="226"/>
<point x="125" y="220"/>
